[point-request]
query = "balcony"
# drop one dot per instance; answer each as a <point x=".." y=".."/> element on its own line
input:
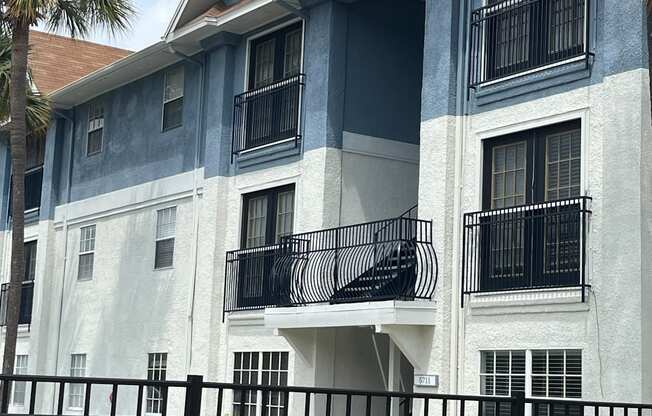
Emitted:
<point x="514" y="37"/>
<point x="26" y="296"/>
<point x="526" y="247"/>
<point x="268" y="115"/>
<point x="383" y="260"/>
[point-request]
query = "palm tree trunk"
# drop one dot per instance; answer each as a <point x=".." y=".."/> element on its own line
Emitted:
<point x="17" y="102"/>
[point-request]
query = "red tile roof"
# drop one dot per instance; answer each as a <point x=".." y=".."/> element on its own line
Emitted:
<point x="56" y="61"/>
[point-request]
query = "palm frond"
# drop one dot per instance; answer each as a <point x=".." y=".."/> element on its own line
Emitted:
<point x="77" y="17"/>
<point x="38" y="106"/>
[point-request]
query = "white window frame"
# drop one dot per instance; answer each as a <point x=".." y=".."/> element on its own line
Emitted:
<point x="181" y="68"/>
<point x="172" y="237"/>
<point x="77" y="392"/>
<point x="95" y="124"/>
<point x="83" y="252"/>
<point x="528" y="368"/>
<point x="259" y="371"/>
<point x="150" y="397"/>
<point x="21" y="365"/>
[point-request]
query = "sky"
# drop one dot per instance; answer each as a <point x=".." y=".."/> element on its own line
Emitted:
<point x="148" y="26"/>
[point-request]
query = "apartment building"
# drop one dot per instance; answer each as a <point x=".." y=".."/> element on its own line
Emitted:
<point x="431" y="196"/>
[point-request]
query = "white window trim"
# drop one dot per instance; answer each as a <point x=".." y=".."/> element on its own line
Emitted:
<point x="173" y="237"/>
<point x="18" y="371"/>
<point x="259" y="374"/>
<point x="82" y="253"/>
<point x="168" y="100"/>
<point x="83" y="387"/>
<point x="146" y="398"/>
<point x="528" y="368"/>
<point x="91" y="129"/>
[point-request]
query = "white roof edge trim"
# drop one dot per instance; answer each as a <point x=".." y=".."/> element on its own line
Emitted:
<point x="175" y="18"/>
<point x="217" y="21"/>
<point x="113" y="67"/>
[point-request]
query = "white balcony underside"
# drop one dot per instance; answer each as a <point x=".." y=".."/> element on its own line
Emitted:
<point x="421" y="313"/>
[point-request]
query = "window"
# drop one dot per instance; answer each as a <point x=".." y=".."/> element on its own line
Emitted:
<point x="95" y="129"/>
<point x="20" y="387"/>
<point x="267" y="368"/>
<point x="551" y="373"/>
<point x="502" y="374"/>
<point x="30" y="261"/>
<point x="86" y="252"/>
<point x="173" y="98"/>
<point x="76" y="393"/>
<point x="156" y="369"/>
<point x="34" y="152"/>
<point x="165" y="229"/>
<point x="557" y="373"/>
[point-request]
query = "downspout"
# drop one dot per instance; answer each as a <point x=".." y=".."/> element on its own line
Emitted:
<point x="65" y="247"/>
<point x="461" y="111"/>
<point x="195" y="201"/>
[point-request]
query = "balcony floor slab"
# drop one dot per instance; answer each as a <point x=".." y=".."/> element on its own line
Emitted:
<point x="393" y="312"/>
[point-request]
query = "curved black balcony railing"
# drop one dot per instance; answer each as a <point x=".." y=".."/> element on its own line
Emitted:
<point x="380" y="260"/>
<point x="508" y="37"/>
<point x="540" y="245"/>
<point x="267" y="115"/>
<point x="26" y="297"/>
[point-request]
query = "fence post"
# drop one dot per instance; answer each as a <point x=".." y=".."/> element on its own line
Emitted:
<point x="193" y="395"/>
<point x="518" y="404"/>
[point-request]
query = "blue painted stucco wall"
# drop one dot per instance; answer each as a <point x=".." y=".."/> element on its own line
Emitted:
<point x="362" y="61"/>
<point x="135" y="149"/>
<point x="617" y="39"/>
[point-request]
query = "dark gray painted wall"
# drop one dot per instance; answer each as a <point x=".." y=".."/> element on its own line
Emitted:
<point x="384" y="69"/>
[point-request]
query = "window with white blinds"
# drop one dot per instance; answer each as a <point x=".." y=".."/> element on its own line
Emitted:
<point x="20" y="387"/>
<point x="267" y="368"/>
<point x="166" y="220"/>
<point x="86" y="252"/>
<point x="554" y="373"/>
<point x="76" y="393"/>
<point x="563" y="165"/>
<point x="502" y="374"/>
<point x="157" y="366"/>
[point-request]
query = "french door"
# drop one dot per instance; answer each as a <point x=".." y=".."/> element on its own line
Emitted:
<point x="267" y="217"/>
<point x="531" y="227"/>
<point x="274" y="59"/>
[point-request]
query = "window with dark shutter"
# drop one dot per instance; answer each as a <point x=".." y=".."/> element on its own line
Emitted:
<point x="165" y="231"/>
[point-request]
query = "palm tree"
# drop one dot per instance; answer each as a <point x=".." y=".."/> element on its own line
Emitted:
<point x="77" y="17"/>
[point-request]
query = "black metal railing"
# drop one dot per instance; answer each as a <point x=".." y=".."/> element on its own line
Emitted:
<point x="380" y="260"/>
<point x="509" y="37"/>
<point x="189" y="397"/>
<point x="525" y="247"/>
<point x="26" y="298"/>
<point x="268" y="115"/>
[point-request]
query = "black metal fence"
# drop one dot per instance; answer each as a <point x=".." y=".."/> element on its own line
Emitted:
<point x="26" y="298"/>
<point x="508" y="37"/>
<point x="380" y="260"/>
<point x="527" y="246"/>
<point x="193" y="397"/>
<point x="268" y="114"/>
